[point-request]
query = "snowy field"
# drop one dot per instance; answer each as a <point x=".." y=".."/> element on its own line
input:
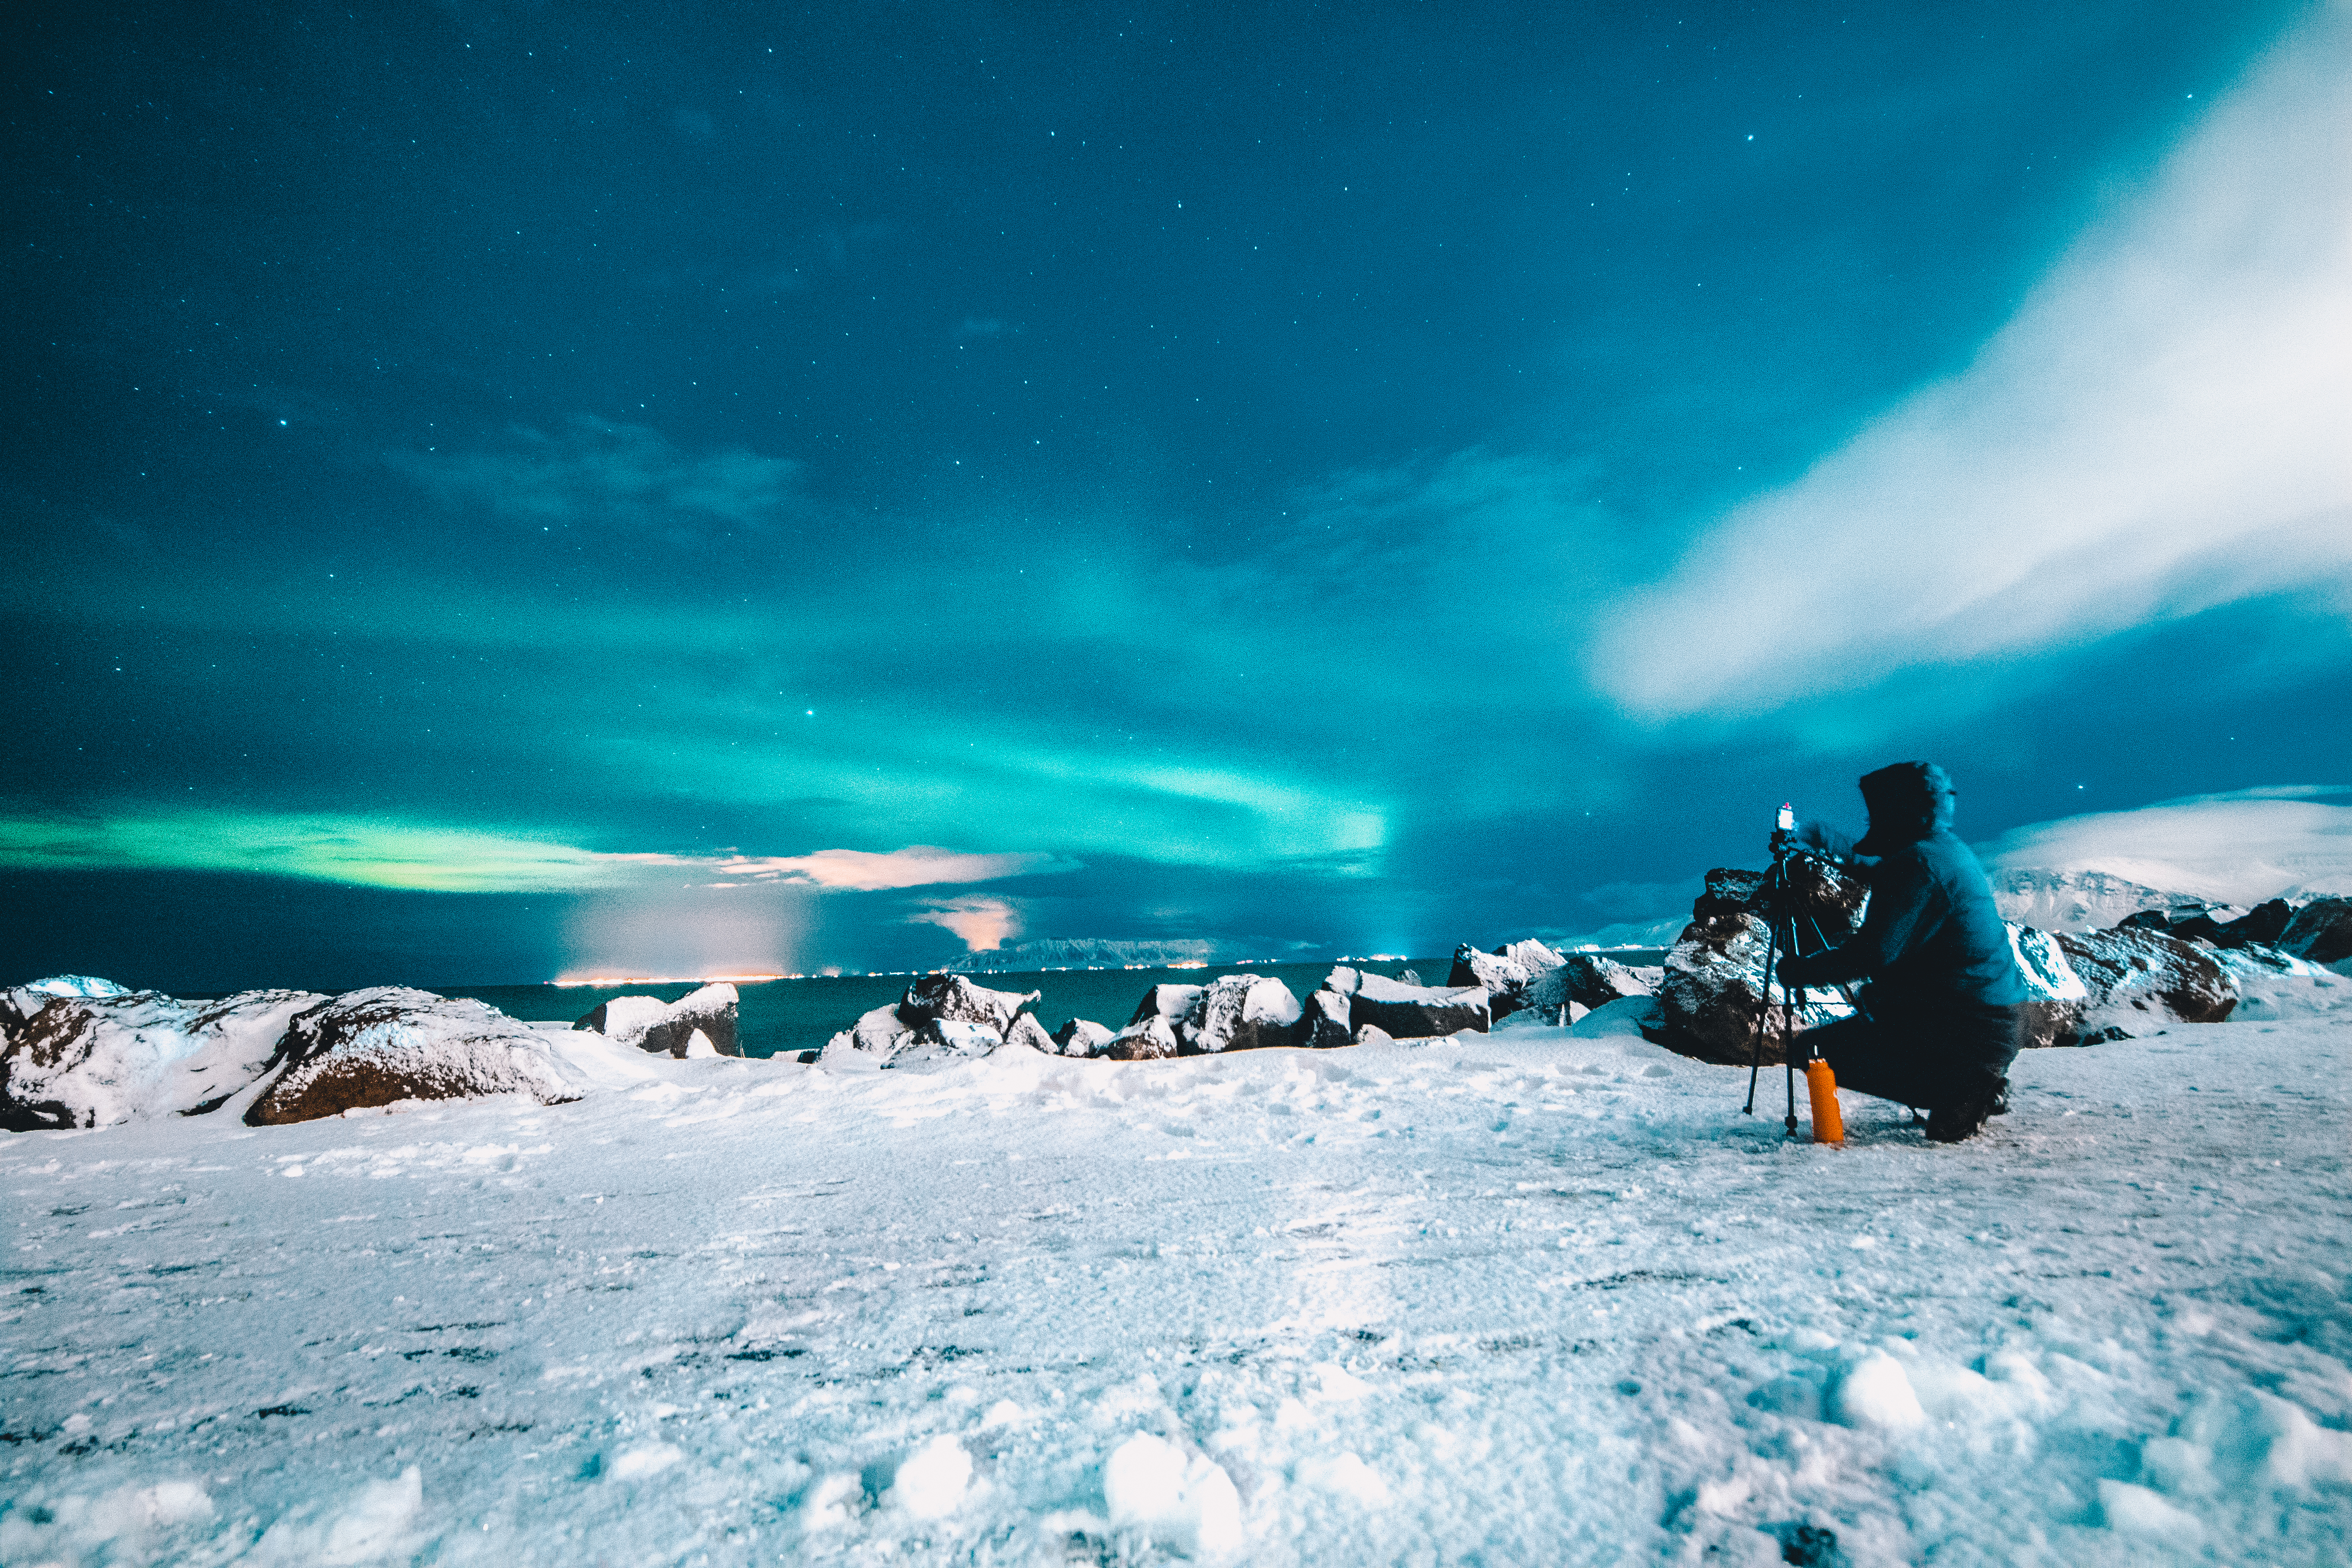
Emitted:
<point x="1529" y="1297"/>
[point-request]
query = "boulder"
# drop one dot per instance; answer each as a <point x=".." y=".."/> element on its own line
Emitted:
<point x="936" y="1037"/>
<point x="1530" y="955"/>
<point x="1325" y="1021"/>
<point x="668" y="1029"/>
<point x="1238" y="1012"/>
<point x="2320" y="933"/>
<point x="2145" y="976"/>
<point x="1169" y="1001"/>
<point x="1506" y="980"/>
<point x="1712" y="988"/>
<point x="1028" y="1033"/>
<point x="2056" y="997"/>
<point x="1152" y="1039"/>
<point x="90" y="1058"/>
<point x="1082" y="1037"/>
<point x="877" y="1033"/>
<point x="954" y="996"/>
<point x="1590" y="980"/>
<point x="1409" y="1012"/>
<point x="1827" y="898"/>
<point x="389" y="1044"/>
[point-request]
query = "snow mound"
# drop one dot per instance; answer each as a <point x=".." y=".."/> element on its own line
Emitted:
<point x="389" y="1044"/>
<point x="670" y="1028"/>
<point x="76" y="985"/>
<point x="93" y="1058"/>
<point x="1187" y="1505"/>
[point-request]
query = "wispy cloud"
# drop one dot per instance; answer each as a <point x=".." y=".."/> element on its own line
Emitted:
<point x="983" y="924"/>
<point x="863" y="870"/>
<point x="2239" y="848"/>
<point x="433" y="857"/>
<point x="593" y="471"/>
<point x="2160" y="429"/>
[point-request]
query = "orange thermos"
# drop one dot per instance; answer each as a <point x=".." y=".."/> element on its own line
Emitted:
<point x="1821" y="1086"/>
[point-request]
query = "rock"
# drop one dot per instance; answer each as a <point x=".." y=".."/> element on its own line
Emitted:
<point x="1239" y="1013"/>
<point x="1711" y="992"/>
<point x="1506" y="980"/>
<point x="1028" y="1031"/>
<point x="2320" y="933"/>
<point x="1409" y="1012"/>
<point x="1591" y="981"/>
<point x="1324" y="1022"/>
<point x="668" y="1029"/>
<point x="1530" y="955"/>
<point x="1637" y="1016"/>
<point x="2146" y="976"/>
<point x="1082" y="1037"/>
<point x="954" y="996"/>
<point x="92" y="1058"/>
<point x="1827" y="898"/>
<point x="1150" y="1039"/>
<point x="1373" y="1035"/>
<point x="389" y="1044"/>
<point x="2056" y="997"/>
<point x="952" y="1037"/>
<point x="1169" y="1001"/>
<point x="877" y="1033"/>
<point x="2265" y="924"/>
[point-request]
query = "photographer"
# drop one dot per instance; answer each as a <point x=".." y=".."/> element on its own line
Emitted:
<point x="1940" y="1022"/>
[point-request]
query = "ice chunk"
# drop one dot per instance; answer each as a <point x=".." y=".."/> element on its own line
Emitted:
<point x="932" y="1482"/>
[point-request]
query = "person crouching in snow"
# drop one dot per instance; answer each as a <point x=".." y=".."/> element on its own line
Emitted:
<point x="1939" y="1021"/>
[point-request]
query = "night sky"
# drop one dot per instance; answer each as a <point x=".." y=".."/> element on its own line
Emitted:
<point x="494" y="491"/>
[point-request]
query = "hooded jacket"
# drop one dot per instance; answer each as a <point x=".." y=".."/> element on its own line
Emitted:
<point x="1932" y="940"/>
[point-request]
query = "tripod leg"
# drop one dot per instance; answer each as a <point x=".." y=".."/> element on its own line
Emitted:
<point x="1788" y="995"/>
<point x="1763" y="1019"/>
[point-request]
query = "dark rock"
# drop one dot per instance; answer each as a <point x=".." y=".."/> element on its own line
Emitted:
<point x="1028" y="1031"/>
<point x="1325" y="1021"/>
<point x="1238" y="1012"/>
<point x="1590" y="980"/>
<point x="2320" y="933"/>
<point x="2146" y="920"/>
<point x="1713" y="989"/>
<point x="1150" y="1039"/>
<point x="1409" y="1012"/>
<point x="2265" y="923"/>
<point x="2151" y="973"/>
<point x="388" y="1044"/>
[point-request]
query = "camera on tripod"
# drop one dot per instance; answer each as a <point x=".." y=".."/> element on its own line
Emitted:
<point x="1786" y="919"/>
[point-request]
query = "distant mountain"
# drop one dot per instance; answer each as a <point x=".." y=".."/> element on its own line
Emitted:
<point x="1094" y="953"/>
<point x="2085" y="900"/>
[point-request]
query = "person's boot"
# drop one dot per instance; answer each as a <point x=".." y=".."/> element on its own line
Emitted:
<point x="1959" y="1120"/>
<point x="2001" y="1098"/>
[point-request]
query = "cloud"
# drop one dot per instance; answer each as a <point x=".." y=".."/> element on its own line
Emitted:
<point x="917" y="866"/>
<point x="2237" y="848"/>
<point x="983" y="924"/>
<point x="593" y="471"/>
<point x="2159" y="430"/>
<point x="433" y="857"/>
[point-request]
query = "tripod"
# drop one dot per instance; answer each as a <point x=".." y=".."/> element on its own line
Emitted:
<point x="1777" y="902"/>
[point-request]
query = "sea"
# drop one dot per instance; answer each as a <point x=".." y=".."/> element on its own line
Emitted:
<point x="775" y="1018"/>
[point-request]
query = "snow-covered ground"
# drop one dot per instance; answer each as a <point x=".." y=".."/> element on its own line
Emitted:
<point x="1523" y="1298"/>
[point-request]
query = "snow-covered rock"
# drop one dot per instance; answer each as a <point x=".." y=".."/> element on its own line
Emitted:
<point x="1082" y="1037"/>
<point x="668" y="1029"/>
<point x="1326" y="1020"/>
<point x="1238" y="1012"/>
<point x="2320" y="933"/>
<point x="1169" y="1001"/>
<point x="389" y="1044"/>
<point x="2138" y="978"/>
<point x="91" y="1057"/>
<point x="1029" y="1034"/>
<point x="1506" y="980"/>
<point x="1713" y="990"/>
<point x="1590" y="980"/>
<point x="1148" y="1039"/>
<point x="915" y="1027"/>
<point x="1409" y="1012"/>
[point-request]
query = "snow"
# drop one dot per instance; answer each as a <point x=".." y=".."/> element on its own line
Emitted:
<point x="104" y="1055"/>
<point x="1534" y="1296"/>
<point x="2237" y="848"/>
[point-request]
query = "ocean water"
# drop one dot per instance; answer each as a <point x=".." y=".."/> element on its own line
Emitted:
<point x="776" y="1016"/>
